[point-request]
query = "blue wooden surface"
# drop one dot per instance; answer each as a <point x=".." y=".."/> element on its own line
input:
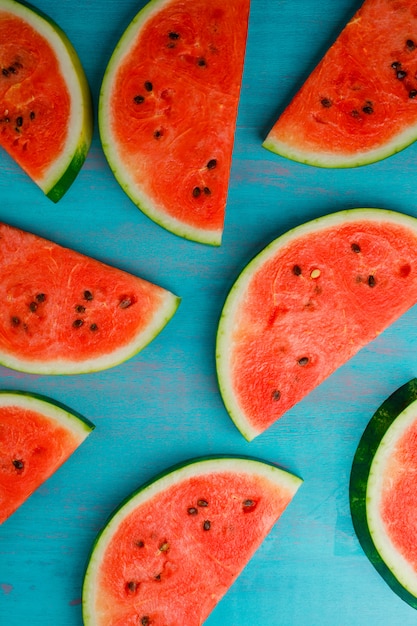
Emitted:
<point x="163" y="406"/>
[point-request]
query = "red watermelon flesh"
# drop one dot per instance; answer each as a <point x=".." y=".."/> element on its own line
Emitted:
<point x="359" y="105"/>
<point x="37" y="436"/>
<point x="171" y="551"/>
<point x="64" y="312"/>
<point x="168" y="111"/>
<point x="45" y="103"/>
<point x="307" y="304"/>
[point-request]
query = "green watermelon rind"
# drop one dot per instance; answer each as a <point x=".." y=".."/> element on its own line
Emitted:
<point x="142" y="200"/>
<point x="233" y="299"/>
<point x="103" y="362"/>
<point x="387" y="422"/>
<point x="172" y="475"/>
<point x="69" y="418"/>
<point x="64" y="170"/>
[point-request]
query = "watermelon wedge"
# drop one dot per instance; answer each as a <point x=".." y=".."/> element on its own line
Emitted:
<point x="37" y="435"/>
<point x="66" y="313"/>
<point x="168" y="108"/>
<point x="172" y="549"/>
<point x="45" y="105"/>
<point x="383" y="496"/>
<point x="359" y="105"/>
<point x="306" y="304"/>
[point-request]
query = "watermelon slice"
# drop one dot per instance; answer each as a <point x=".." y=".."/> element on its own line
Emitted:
<point x="65" y="313"/>
<point x="172" y="550"/>
<point x="359" y="105"/>
<point x="306" y="304"/>
<point x="37" y="435"/>
<point x="168" y="107"/>
<point x="45" y="105"/>
<point x="383" y="496"/>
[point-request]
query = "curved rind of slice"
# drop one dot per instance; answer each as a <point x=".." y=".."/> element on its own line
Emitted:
<point x="382" y="491"/>
<point x="359" y="104"/>
<point x="306" y="304"/>
<point x="174" y="547"/>
<point x="66" y="313"/>
<point x="46" y="113"/>
<point x="168" y="108"/>
<point x="37" y="435"/>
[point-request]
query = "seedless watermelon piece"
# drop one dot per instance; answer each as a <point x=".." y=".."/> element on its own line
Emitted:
<point x="37" y="435"/>
<point x="45" y="105"/>
<point x="168" y="108"/>
<point x="173" y="548"/>
<point x="306" y="304"/>
<point x="359" y="105"/>
<point x="66" y="313"/>
<point x="383" y="496"/>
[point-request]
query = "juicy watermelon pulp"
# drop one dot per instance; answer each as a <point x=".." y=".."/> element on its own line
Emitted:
<point x="306" y="304"/>
<point x="168" y="110"/>
<point x="360" y="103"/>
<point x="383" y="497"/>
<point x="45" y="105"/>
<point x="37" y="435"/>
<point x="172" y="549"/>
<point x="65" y="313"/>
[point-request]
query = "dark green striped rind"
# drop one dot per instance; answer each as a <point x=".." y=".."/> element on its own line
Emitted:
<point x="70" y="174"/>
<point x="367" y="448"/>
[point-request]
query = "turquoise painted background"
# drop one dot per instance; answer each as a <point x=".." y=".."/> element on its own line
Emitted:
<point x="163" y="406"/>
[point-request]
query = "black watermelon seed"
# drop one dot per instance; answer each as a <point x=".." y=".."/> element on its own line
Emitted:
<point x="78" y="323"/>
<point x="192" y="510"/>
<point x="412" y="93"/>
<point x="80" y="308"/>
<point x="15" y="321"/>
<point x="158" y="577"/>
<point x="173" y="35"/>
<point x="93" y="327"/>
<point x="12" y="69"/>
<point x="33" y="306"/>
<point x="395" y="65"/>
<point x="410" y="44"/>
<point x="202" y="503"/>
<point x="401" y="74"/>
<point x="88" y="295"/>
<point x="249" y="504"/>
<point x="157" y="134"/>
<point x="148" y="85"/>
<point x="19" y="121"/>
<point x="207" y="191"/>
<point x="296" y="270"/>
<point x="371" y="281"/>
<point x="355" y="248"/>
<point x="140" y="543"/>
<point x="138" y="99"/>
<point x="125" y="303"/>
<point x="5" y="71"/>
<point x="326" y="103"/>
<point x="276" y="394"/>
<point x="201" y="62"/>
<point x="145" y="621"/>
<point x="211" y="164"/>
<point x="18" y="463"/>
<point x="206" y="525"/>
<point x="32" y="115"/>
<point x="40" y="297"/>
<point x="303" y="361"/>
<point x="368" y="109"/>
<point x="196" y="192"/>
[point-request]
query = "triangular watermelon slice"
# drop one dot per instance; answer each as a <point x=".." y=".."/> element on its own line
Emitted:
<point x="306" y="304"/>
<point x="168" y="108"/>
<point x="37" y="435"/>
<point x="173" y="548"/>
<point x="66" y="313"/>
<point x="383" y="495"/>
<point x="359" y="105"/>
<point x="45" y="104"/>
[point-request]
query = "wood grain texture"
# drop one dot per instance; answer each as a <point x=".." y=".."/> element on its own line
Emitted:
<point x="163" y="406"/>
